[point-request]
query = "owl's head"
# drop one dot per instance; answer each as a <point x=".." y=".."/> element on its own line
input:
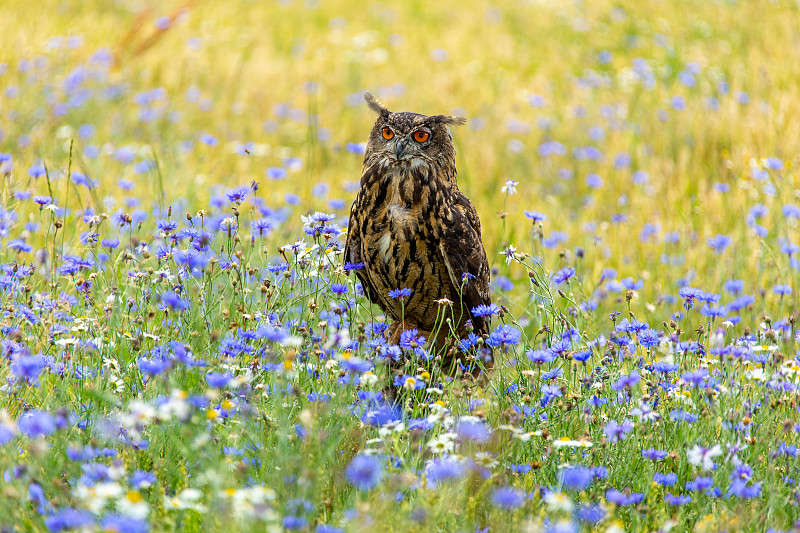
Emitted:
<point x="410" y="138"/>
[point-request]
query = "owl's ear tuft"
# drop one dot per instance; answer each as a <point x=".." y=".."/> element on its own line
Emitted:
<point x="447" y="120"/>
<point x="376" y="105"/>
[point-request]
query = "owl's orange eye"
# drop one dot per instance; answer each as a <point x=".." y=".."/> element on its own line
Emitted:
<point x="387" y="133"/>
<point x="421" y="136"/>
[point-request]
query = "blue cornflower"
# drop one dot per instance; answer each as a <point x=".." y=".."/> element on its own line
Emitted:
<point x="700" y="483"/>
<point x="696" y="378"/>
<point x="535" y="216"/>
<point x="262" y="225"/>
<point x="167" y="226"/>
<point x="615" y="431"/>
<point x="667" y="480"/>
<point x="325" y="528"/>
<point x="276" y="173"/>
<point x="486" y="310"/>
<point x="719" y="242"/>
<point x="81" y="179"/>
<point x="118" y="523"/>
<point x="504" y="336"/>
<point x="399" y="293"/>
<point x="741" y="302"/>
<point x="364" y="471"/>
<point x="209" y="140"/>
<point x="563" y="275"/>
<point x="582" y="356"/>
<point x="409" y="382"/>
<point x="782" y="290"/>
<point x="740" y="489"/>
<point x="653" y="454"/>
<point x="218" y="380"/>
<point x="575" y="477"/>
<point x="444" y="469"/>
<point x="665" y="367"/>
<point x="69" y="519"/>
<point x="649" y="338"/>
<point x="294" y="522"/>
<point x="620" y="498"/>
<point x="677" y="499"/>
<point x="627" y="382"/>
<point x="237" y="195"/>
<point x="734" y="286"/>
<point x="154" y="366"/>
<point x="549" y="392"/>
<point x="29" y="367"/>
<point x="142" y="479"/>
<point x="714" y="312"/>
<point x="42" y="200"/>
<point x="474" y="430"/>
<point x="411" y="339"/>
<point x="174" y="302"/>
<point x="508" y="497"/>
<point x="552" y="374"/>
<point x="111" y="244"/>
<point x="591" y="514"/>
<point x="20" y="246"/>
<point x="37" y="171"/>
<point x="37" y="423"/>
<point x="339" y="289"/>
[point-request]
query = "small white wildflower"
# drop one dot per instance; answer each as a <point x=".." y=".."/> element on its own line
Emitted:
<point x="510" y="187"/>
<point x="703" y="457"/>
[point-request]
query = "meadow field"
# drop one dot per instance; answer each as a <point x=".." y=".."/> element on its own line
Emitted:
<point x="183" y="349"/>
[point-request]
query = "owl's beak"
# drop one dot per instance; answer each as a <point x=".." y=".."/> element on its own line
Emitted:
<point x="399" y="148"/>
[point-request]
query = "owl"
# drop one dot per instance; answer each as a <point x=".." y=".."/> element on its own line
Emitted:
<point x="411" y="228"/>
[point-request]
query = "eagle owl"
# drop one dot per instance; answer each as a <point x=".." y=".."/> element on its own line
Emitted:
<point x="412" y="228"/>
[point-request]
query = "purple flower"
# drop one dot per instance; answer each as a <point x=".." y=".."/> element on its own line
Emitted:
<point x="118" y="523"/>
<point x="782" y="290"/>
<point x="719" y="242"/>
<point x="535" y="216"/>
<point x="627" y="382"/>
<point x="503" y="336"/>
<point x="677" y="499"/>
<point x="699" y="484"/>
<point x="364" y="471"/>
<point x="615" y="431"/>
<point x="666" y="480"/>
<point x="486" y="310"/>
<point x="237" y="195"/>
<point x="37" y="424"/>
<point x="444" y="469"/>
<point x="29" y="367"/>
<point x="474" y="430"/>
<point x="653" y="454"/>
<point x="68" y="519"/>
<point x="154" y="367"/>
<point x="400" y="293"/>
<point x="563" y="275"/>
<point x="591" y="514"/>
<point x="649" y="338"/>
<point x="37" y="171"/>
<point x="621" y="498"/>
<point x="508" y="498"/>
<point x="174" y="302"/>
<point x="575" y="477"/>
<point x="218" y="380"/>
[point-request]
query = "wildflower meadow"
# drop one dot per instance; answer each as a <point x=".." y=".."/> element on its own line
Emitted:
<point x="185" y="349"/>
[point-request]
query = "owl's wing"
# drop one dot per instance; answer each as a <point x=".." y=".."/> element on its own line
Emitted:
<point x="353" y="250"/>
<point x="463" y="255"/>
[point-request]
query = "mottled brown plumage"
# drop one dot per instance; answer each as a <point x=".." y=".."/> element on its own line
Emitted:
<point x="413" y="228"/>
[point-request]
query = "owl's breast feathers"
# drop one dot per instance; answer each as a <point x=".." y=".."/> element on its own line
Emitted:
<point x="411" y="229"/>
